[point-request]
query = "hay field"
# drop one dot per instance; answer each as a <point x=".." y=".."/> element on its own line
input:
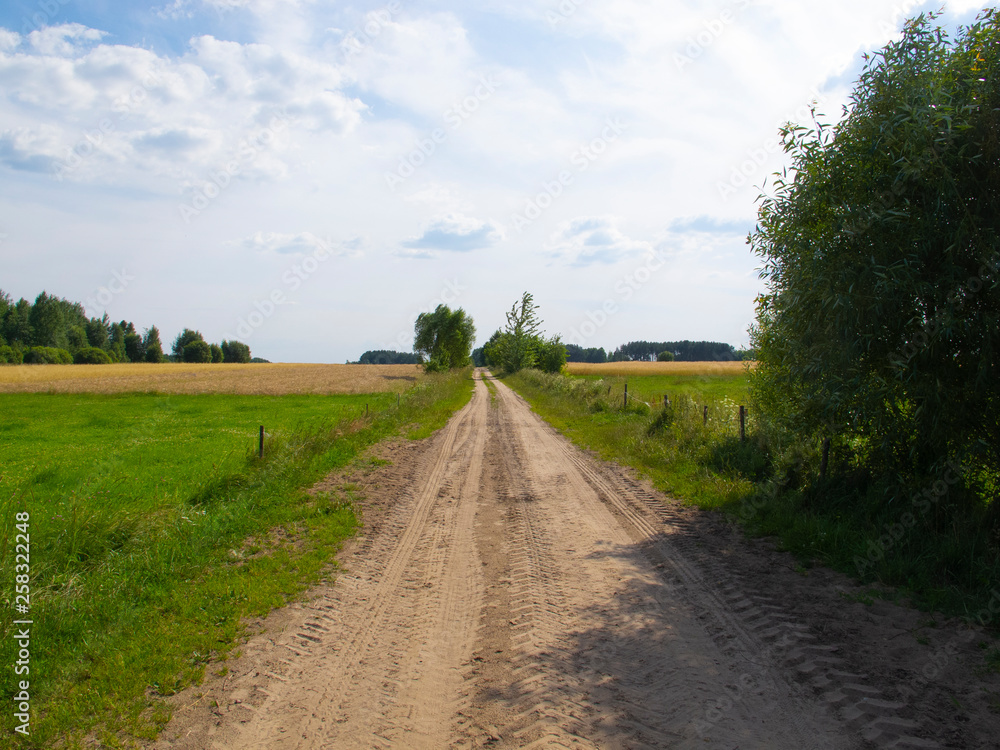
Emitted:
<point x="249" y="379"/>
<point x="658" y="368"/>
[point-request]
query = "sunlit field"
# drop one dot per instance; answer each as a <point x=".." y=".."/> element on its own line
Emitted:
<point x="243" y="379"/>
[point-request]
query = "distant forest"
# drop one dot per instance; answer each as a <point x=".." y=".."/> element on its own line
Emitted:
<point x="634" y="351"/>
<point x="683" y="351"/>
<point x="386" y="357"/>
<point x="52" y="330"/>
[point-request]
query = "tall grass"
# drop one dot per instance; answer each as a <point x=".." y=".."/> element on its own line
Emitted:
<point x="156" y="530"/>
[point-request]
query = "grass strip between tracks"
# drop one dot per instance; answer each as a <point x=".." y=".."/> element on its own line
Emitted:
<point x="156" y="530"/>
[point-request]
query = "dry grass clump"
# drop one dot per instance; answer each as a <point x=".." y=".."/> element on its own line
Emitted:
<point x="658" y="368"/>
<point x="261" y="379"/>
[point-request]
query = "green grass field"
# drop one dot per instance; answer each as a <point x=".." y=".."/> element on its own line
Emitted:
<point x="155" y="530"/>
<point x="711" y="390"/>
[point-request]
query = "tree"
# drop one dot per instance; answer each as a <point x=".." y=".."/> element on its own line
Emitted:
<point x="91" y="355"/>
<point x="665" y="356"/>
<point x="17" y="324"/>
<point x="98" y="332"/>
<point x="151" y="346"/>
<point x="516" y="347"/>
<point x="550" y="354"/>
<point x="117" y="340"/>
<point x="47" y="323"/>
<point x="134" y="348"/>
<point x="444" y="338"/>
<point x="235" y="352"/>
<point x="217" y="355"/>
<point x="198" y="351"/>
<point x="880" y="327"/>
<point x="185" y="337"/>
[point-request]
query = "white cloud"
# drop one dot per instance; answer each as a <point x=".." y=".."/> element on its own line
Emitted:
<point x="300" y="243"/>
<point x="63" y="41"/>
<point x="9" y="40"/>
<point x="594" y="239"/>
<point x="29" y="150"/>
<point x="458" y="233"/>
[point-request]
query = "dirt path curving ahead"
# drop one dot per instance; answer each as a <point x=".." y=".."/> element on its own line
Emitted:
<point x="512" y="592"/>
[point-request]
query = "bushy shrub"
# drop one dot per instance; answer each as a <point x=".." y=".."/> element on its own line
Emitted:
<point x="550" y="355"/>
<point x="665" y="357"/>
<point x="235" y="352"/>
<point x="47" y="355"/>
<point x="216" y="353"/>
<point x="91" y="355"/>
<point x="9" y="355"/>
<point x="198" y="351"/>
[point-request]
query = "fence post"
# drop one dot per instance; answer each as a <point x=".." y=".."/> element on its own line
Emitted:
<point x="260" y="452"/>
<point x="625" y="399"/>
<point x="826" y="458"/>
<point x="705" y="415"/>
<point x="743" y="423"/>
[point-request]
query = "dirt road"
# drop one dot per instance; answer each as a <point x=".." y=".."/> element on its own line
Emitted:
<point x="510" y="591"/>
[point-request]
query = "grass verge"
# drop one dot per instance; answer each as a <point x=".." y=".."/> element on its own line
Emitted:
<point x="156" y="530"/>
<point x="942" y="560"/>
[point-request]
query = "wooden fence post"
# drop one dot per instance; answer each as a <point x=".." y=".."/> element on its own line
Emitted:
<point x="743" y="423"/>
<point x="666" y="401"/>
<point x="625" y="399"/>
<point x="705" y="415"/>
<point x="260" y="452"/>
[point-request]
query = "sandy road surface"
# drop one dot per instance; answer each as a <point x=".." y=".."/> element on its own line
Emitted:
<point x="513" y="592"/>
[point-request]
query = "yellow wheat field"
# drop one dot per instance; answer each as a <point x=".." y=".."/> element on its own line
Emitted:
<point x="658" y="368"/>
<point x="263" y="379"/>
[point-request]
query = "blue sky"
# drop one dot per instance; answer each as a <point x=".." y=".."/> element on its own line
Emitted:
<point x="309" y="176"/>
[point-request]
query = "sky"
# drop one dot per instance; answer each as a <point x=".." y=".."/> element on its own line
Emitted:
<point x="308" y="177"/>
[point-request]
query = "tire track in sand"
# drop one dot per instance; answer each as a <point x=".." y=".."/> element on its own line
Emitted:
<point x="394" y="629"/>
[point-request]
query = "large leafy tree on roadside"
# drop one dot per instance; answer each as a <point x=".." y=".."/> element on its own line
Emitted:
<point x="880" y="327"/>
<point x="445" y="338"/>
<point x="521" y="345"/>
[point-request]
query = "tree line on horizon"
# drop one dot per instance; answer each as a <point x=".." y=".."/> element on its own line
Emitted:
<point x="53" y="330"/>
<point x="633" y="351"/>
